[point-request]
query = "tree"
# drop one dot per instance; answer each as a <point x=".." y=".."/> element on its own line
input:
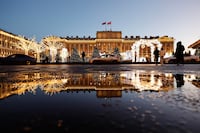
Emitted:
<point x="95" y="53"/>
<point x="38" y="48"/>
<point x="116" y="52"/>
<point x="24" y="45"/>
<point x="53" y="46"/>
<point x="64" y="54"/>
<point x="75" y="57"/>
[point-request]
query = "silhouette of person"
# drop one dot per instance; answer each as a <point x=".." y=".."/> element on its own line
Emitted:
<point x="69" y="57"/>
<point x="162" y="54"/>
<point x="83" y="56"/>
<point x="179" y="80"/>
<point x="57" y="58"/>
<point x="156" y="55"/>
<point x="46" y="59"/>
<point x="179" y="53"/>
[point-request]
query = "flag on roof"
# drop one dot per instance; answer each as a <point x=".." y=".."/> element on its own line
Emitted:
<point x="109" y="22"/>
<point x="103" y="23"/>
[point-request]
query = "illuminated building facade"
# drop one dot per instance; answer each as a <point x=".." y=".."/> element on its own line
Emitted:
<point x="107" y="41"/>
<point x="135" y="48"/>
<point x="8" y="42"/>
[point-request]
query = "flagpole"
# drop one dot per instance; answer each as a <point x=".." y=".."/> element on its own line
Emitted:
<point x="109" y="23"/>
<point x="110" y="27"/>
<point x="104" y="23"/>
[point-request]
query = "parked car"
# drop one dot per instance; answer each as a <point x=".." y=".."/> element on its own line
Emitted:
<point x="103" y="59"/>
<point x="18" y="59"/>
<point x="187" y="59"/>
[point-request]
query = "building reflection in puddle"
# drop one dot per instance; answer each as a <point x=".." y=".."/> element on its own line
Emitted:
<point x="106" y="84"/>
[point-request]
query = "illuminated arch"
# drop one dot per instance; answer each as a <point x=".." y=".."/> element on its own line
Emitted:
<point x="135" y="48"/>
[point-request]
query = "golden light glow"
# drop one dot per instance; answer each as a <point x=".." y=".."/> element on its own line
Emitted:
<point x="51" y="83"/>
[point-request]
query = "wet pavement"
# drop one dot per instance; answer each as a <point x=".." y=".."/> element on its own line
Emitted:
<point x="100" y="98"/>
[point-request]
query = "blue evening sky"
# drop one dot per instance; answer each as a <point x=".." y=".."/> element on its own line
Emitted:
<point x="40" y="18"/>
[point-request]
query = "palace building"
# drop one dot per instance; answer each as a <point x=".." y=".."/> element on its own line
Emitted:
<point x="135" y="48"/>
<point x="8" y="42"/>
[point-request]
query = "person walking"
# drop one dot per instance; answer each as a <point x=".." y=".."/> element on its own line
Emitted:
<point x="162" y="54"/>
<point x="179" y="53"/>
<point x="156" y="55"/>
<point x="83" y="56"/>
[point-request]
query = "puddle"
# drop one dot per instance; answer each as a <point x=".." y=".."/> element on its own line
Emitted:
<point x="99" y="101"/>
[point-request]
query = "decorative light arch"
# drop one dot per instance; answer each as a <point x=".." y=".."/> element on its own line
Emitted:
<point x="135" y="48"/>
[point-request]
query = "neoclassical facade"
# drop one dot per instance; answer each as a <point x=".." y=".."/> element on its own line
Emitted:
<point x="8" y="42"/>
<point x="135" y="48"/>
<point x="106" y="41"/>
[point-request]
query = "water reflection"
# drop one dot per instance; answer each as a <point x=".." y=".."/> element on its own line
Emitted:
<point x="106" y="84"/>
<point x="99" y="101"/>
<point x="179" y="80"/>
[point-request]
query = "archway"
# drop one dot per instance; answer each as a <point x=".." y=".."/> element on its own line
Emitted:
<point x="142" y="50"/>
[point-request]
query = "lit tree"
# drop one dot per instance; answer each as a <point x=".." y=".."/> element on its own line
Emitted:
<point x="38" y="48"/>
<point x="53" y="46"/>
<point x="64" y="54"/>
<point x="24" y="45"/>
